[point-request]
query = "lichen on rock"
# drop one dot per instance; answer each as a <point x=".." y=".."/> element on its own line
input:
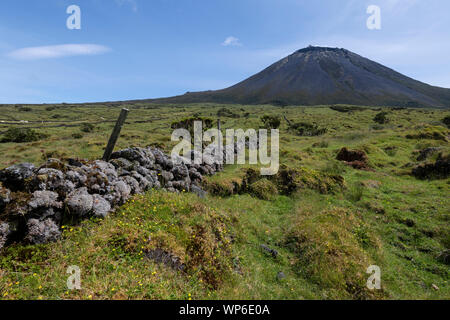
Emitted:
<point x="37" y="199"/>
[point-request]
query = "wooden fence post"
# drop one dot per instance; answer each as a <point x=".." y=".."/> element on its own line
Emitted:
<point x="220" y="143"/>
<point x="115" y="134"/>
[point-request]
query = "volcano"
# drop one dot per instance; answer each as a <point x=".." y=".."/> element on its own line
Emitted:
<point x="324" y="76"/>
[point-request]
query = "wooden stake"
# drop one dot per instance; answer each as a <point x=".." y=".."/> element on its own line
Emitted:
<point x="115" y="134"/>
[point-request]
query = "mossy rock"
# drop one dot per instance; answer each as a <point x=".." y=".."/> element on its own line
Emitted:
<point x="5" y="197"/>
<point x="18" y="206"/>
<point x="264" y="189"/>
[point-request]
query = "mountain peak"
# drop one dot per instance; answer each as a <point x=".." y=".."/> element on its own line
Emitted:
<point x="312" y="48"/>
<point x="318" y="75"/>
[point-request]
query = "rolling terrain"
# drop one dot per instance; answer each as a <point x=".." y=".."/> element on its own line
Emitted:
<point x="325" y="233"/>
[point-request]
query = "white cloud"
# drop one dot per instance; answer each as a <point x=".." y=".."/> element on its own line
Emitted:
<point x="231" y="41"/>
<point x="132" y="3"/>
<point x="57" y="51"/>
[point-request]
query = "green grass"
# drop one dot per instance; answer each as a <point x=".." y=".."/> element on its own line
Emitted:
<point x="325" y="242"/>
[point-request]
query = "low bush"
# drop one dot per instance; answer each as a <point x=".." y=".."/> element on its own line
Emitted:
<point x="446" y="121"/>
<point x="271" y="122"/>
<point x="264" y="189"/>
<point x="345" y="108"/>
<point x="21" y="135"/>
<point x="381" y="118"/>
<point x="307" y="129"/>
<point x="225" y="112"/>
<point x="188" y="123"/>
<point x="87" y="127"/>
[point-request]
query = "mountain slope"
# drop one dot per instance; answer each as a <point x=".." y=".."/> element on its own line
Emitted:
<point x="320" y="75"/>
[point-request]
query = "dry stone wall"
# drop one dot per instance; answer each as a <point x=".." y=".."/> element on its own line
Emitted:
<point x="36" y="201"/>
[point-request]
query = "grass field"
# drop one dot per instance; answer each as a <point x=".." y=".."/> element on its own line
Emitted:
<point x="325" y="240"/>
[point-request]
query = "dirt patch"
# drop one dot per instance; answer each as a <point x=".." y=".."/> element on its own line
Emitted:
<point x="437" y="170"/>
<point x="357" y="159"/>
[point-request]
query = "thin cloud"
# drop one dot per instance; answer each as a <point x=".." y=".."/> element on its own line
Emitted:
<point x="58" y="51"/>
<point x="231" y="41"/>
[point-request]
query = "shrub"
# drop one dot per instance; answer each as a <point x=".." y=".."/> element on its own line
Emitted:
<point x="220" y="188"/>
<point x="345" y="109"/>
<point x="225" y="112"/>
<point x="20" y="135"/>
<point x="446" y="121"/>
<point x="77" y="136"/>
<point x="264" y="189"/>
<point x="307" y="129"/>
<point x="381" y="118"/>
<point x="188" y="123"/>
<point x="25" y="109"/>
<point x="87" y="127"/>
<point x="271" y="122"/>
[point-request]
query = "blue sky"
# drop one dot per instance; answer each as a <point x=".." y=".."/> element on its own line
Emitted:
<point x="137" y="49"/>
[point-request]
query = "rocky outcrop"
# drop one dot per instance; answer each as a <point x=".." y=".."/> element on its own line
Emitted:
<point x="37" y="201"/>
